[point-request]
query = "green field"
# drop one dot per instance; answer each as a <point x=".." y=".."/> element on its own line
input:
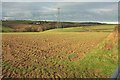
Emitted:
<point x="7" y="29"/>
<point x="80" y="29"/>
<point x="101" y="27"/>
<point x="19" y="21"/>
<point x="72" y="29"/>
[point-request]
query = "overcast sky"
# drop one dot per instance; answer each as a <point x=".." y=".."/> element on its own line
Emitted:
<point x="60" y="0"/>
<point x="69" y="11"/>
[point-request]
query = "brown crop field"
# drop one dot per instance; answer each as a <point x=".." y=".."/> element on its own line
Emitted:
<point x="53" y="55"/>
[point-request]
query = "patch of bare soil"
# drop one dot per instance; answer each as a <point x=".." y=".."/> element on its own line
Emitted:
<point x="37" y="55"/>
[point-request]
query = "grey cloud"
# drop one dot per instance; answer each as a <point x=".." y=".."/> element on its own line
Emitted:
<point x="70" y="11"/>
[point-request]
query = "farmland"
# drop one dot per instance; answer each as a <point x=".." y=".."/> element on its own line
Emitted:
<point x="60" y="53"/>
<point x="95" y="28"/>
<point x="6" y="28"/>
<point x="38" y="26"/>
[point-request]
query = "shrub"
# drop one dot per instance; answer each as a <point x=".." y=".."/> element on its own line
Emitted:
<point x="33" y="29"/>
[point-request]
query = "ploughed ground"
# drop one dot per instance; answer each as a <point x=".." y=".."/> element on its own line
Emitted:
<point x="44" y="55"/>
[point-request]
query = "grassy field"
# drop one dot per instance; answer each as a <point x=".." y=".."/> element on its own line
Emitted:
<point x="87" y="28"/>
<point x="72" y="29"/>
<point x="101" y="27"/>
<point x="59" y="53"/>
<point x="6" y="28"/>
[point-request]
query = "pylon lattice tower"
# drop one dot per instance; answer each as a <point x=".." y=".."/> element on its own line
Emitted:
<point x="58" y="18"/>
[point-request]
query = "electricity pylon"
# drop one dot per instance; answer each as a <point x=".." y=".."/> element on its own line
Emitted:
<point x="58" y="18"/>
